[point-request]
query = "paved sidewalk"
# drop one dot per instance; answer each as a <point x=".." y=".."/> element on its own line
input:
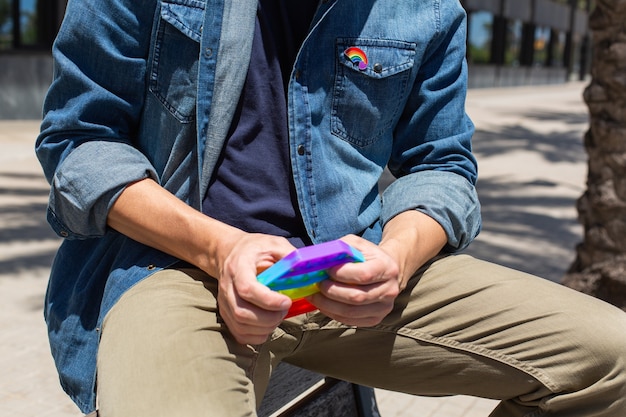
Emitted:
<point x="532" y="170"/>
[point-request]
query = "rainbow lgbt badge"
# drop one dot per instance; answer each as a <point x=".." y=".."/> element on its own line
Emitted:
<point x="357" y="56"/>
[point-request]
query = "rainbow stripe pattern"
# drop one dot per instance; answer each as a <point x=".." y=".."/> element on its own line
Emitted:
<point x="357" y="56"/>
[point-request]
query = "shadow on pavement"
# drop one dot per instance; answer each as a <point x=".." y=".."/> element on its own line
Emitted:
<point x="26" y="238"/>
<point x="528" y="223"/>
<point x="557" y="146"/>
<point x="531" y="225"/>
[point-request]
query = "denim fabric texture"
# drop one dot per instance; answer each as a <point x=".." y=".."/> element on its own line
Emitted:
<point x="151" y="92"/>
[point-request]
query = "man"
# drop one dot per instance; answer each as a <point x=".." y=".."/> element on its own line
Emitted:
<point x="191" y="144"/>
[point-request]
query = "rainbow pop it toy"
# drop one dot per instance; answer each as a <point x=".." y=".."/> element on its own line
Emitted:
<point x="297" y="274"/>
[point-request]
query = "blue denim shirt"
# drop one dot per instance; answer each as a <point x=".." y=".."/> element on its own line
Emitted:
<point x="148" y="89"/>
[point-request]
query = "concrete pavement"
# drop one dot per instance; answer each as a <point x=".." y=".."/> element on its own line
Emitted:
<point x="532" y="170"/>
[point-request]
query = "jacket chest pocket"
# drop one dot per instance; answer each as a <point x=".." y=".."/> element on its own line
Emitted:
<point x="371" y="86"/>
<point x="174" y="66"/>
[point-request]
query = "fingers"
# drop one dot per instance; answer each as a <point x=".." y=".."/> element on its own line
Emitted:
<point x="362" y="293"/>
<point x="359" y="294"/>
<point x="250" y="324"/>
<point x="251" y="310"/>
<point x="378" y="265"/>
<point x="355" y="305"/>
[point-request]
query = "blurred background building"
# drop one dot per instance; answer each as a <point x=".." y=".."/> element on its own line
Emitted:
<point x="527" y="42"/>
<point x="510" y="42"/>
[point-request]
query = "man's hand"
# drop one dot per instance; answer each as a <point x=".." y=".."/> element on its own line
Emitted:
<point x="362" y="293"/>
<point x="148" y="213"/>
<point x="251" y="310"/>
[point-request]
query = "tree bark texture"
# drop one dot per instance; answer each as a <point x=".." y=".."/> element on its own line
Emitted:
<point x="600" y="265"/>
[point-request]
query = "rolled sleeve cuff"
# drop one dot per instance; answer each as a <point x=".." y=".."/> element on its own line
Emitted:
<point x="87" y="184"/>
<point x="446" y="197"/>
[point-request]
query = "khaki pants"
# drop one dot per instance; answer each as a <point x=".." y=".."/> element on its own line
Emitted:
<point x="462" y="326"/>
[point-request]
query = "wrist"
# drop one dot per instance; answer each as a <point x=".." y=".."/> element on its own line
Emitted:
<point x="412" y="238"/>
<point x="399" y="251"/>
<point x="215" y="246"/>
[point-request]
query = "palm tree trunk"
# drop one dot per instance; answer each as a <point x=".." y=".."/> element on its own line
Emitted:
<point x="600" y="265"/>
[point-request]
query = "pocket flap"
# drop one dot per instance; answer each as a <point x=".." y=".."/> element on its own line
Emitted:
<point x="185" y="15"/>
<point x="384" y="57"/>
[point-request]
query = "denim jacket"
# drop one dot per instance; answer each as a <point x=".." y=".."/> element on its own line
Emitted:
<point x="148" y="89"/>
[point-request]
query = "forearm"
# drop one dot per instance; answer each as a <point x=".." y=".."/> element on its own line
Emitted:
<point x="412" y="238"/>
<point x="447" y="198"/>
<point x="149" y="214"/>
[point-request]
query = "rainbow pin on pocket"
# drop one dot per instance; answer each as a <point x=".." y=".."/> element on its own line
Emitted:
<point x="357" y="56"/>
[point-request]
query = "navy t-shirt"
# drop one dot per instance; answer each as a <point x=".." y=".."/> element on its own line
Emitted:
<point x="252" y="188"/>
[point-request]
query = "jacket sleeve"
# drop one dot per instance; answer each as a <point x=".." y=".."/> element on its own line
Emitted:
<point x="91" y="112"/>
<point x="432" y="154"/>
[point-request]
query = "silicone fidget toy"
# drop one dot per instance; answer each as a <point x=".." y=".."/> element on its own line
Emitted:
<point x="297" y="274"/>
